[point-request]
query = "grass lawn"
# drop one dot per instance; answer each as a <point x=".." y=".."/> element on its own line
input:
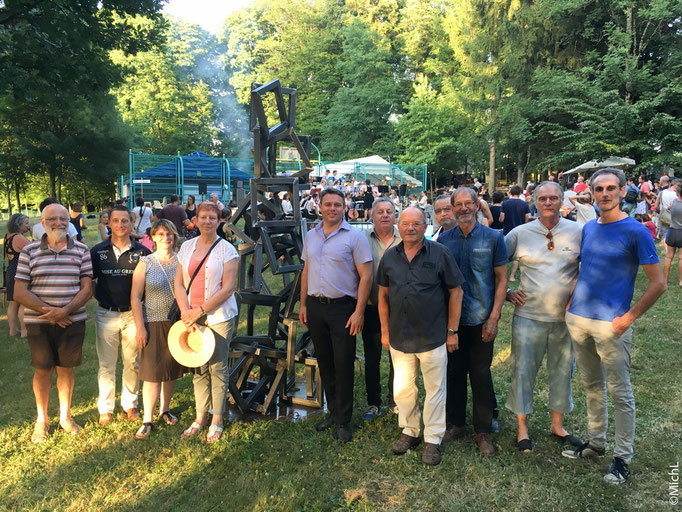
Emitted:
<point x="271" y="466"/>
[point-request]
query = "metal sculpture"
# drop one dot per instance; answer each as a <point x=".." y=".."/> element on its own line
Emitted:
<point x="264" y="365"/>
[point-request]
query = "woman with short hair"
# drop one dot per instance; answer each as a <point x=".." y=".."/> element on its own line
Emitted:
<point x="211" y="302"/>
<point x="151" y="299"/>
<point x="15" y="241"/>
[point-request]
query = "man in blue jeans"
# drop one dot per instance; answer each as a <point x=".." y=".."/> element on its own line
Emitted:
<point x="600" y="317"/>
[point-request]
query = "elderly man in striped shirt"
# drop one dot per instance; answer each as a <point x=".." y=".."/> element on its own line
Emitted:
<point x="53" y="282"/>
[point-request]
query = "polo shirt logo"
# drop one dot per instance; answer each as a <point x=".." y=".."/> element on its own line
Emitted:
<point x="133" y="258"/>
<point x="103" y="255"/>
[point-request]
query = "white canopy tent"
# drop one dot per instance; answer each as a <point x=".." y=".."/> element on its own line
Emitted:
<point x="593" y="165"/>
<point x="373" y="167"/>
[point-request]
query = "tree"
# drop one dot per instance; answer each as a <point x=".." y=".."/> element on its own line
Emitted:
<point x="358" y="122"/>
<point x="57" y="74"/>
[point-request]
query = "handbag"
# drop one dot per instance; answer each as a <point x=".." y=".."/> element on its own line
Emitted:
<point x="174" y="312"/>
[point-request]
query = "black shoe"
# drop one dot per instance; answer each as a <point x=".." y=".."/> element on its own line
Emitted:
<point x="343" y="433"/>
<point x="325" y="424"/>
<point x="584" y="451"/>
<point x="495" y="426"/>
<point x="618" y="472"/>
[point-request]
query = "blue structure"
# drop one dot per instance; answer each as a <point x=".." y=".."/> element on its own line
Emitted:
<point x="156" y="176"/>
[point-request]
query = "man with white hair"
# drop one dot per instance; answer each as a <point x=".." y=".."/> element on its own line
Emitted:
<point x="381" y="236"/>
<point x="53" y="282"/>
<point x="548" y="250"/>
<point x="420" y="299"/>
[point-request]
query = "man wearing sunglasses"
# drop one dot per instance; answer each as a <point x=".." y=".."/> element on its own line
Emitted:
<point x="547" y="249"/>
<point x="600" y="318"/>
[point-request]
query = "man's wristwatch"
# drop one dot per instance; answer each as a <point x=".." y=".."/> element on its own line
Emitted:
<point x="451" y="332"/>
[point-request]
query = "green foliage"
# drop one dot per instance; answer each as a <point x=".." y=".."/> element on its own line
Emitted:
<point x="359" y="122"/>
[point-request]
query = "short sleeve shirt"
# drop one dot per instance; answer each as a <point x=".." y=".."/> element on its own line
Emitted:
<point x="515" y="211"/>
<point x="476" y="255"/>
<point x="418" y="295"/>
<point x="213" y="276"/>
<point x="547" y="277"/>
<point x="54" y="276"/>
<point x="378" y="249"/>
<point x="333" y="260"/>
<point x="610" y="256"/>
<point x="176" y="214"/>
<point x="114" y="272"/>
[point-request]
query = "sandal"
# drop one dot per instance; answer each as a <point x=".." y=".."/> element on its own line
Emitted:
<point x="192" y="430"/>
<point x="169" y="418"/>
<point x="214" y="433"/>
<point x="144" y="430"/>
<point x="525" y="445"/>
<point x="40" y="433"/>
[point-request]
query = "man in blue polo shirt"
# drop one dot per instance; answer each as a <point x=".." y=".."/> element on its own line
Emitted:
<point x="600" y="317"/>
<point x="113" y="263"/>
<point x="481" y="256"/>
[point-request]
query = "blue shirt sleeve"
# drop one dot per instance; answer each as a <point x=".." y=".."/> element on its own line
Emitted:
<point x="646" y="248"/>
<point x="361" y="251"/>
<point x="500" y="254"/>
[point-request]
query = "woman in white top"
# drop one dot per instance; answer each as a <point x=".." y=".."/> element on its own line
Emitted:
<point x="142" y="217"/>
<point x="210" y="302"/>
<point x="287" y="208"/>
<point x="584" y="210"/>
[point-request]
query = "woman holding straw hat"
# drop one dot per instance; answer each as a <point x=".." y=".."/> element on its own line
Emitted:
<point x="154" y="280"/>
<point x="204" y="289"/>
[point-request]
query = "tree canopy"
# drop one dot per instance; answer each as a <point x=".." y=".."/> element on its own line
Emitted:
<point x="497" y="87"/>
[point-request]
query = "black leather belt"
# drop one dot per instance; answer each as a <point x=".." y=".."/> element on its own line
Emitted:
<point x="327" y="300"/>
<point x="116" y="308"/>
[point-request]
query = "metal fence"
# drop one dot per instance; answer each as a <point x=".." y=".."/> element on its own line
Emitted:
<point x="155" y="177"/>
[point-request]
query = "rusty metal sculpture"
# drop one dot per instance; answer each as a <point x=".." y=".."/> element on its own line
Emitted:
<point x="264" y="365"/>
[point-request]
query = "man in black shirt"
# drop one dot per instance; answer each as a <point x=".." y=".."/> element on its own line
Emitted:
<point x="420" y="300"/>
<point x="113" y="263"/>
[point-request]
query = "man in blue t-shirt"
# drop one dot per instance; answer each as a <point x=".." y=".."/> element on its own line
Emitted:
<point x="600" y="317"/>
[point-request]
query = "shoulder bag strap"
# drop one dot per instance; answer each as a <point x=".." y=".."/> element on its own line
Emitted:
<point x="200" y="264"/>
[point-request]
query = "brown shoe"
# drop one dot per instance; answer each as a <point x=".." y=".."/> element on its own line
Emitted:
<point x="485" y="444"/>
<point x="133" y="414"/>
<point x="454" y="432"/>
<point x="405" y="443"/>
<point x="431" y="455"/>
<point x="106" y="418"/>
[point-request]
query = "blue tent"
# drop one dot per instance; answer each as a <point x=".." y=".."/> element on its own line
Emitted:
<point x="194" y="165"/>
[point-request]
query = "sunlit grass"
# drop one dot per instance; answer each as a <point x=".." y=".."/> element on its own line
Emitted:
<point x="271" y="466"/>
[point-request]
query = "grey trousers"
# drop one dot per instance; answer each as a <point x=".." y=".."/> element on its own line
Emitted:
<point x="603" y="358"/>
<point x="210" y="381"/>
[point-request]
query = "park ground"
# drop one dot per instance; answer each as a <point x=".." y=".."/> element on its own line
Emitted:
<point x="282" y="465"/>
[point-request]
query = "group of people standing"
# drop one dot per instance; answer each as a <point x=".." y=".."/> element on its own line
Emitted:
<point x="433" y="304"/>
<point x="136" y="290"/>
<point x="439" y="303"/>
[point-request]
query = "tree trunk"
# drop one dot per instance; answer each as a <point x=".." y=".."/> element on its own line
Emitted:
<point x="16" y="193"/>
<point x="53" y="179"/>
<point x="628" y="66"/>
<point x="491" y="169"/>
<point x="521" y="171"/>
<point x="9" y="200"/>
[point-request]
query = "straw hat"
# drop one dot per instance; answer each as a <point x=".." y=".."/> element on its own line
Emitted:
<point x="191" y="349"/>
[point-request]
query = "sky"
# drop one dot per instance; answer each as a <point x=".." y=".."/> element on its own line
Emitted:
<point x="210" y="14"/>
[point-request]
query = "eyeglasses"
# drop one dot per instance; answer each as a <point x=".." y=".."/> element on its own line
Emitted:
<point x="412" y="225"/>
<point x="550" y="237"/>
<point x="54" y="219"/>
